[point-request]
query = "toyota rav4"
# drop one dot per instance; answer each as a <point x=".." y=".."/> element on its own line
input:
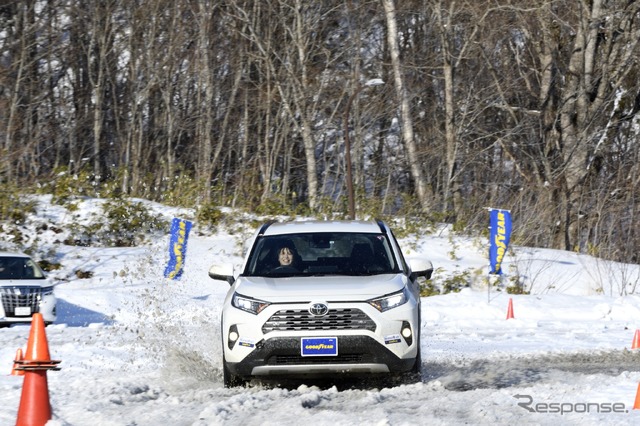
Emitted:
<point x="321" y="297"/>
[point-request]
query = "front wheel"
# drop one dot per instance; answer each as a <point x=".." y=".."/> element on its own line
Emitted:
<point x="412" y="376"/>
<point x="229" y="379"/>
<point x="416" y="371"/>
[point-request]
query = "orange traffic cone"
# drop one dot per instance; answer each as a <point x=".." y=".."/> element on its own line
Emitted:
<point x="15" y="371"/>
<point x="35" y="408"/>
<point x="37" y="346"/>
<point x="510" y="310"/>
<point x="636" y="404"/>
<point x="636" y="340"/>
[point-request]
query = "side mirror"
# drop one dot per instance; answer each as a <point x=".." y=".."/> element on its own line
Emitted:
<point x="222" y="273"/>
<point x="421" y="268"/>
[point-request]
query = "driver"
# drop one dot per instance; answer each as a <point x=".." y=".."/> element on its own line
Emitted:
<point x="285" y="256"/>
<point x="288" y="257"/>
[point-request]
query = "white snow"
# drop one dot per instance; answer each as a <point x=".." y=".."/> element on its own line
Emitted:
<point x="137" y="349"/>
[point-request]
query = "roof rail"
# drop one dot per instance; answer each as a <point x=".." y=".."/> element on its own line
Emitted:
<point x="264" y="227"/>
<point x="383" y="228"/>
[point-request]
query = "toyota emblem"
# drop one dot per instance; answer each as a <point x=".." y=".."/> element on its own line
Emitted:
<point x="318" y="309"/>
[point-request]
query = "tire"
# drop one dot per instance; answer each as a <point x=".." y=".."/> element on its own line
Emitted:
<point x="416" y="370"/>
<point x="229" y="379"/>
<point x="414" y="375"/>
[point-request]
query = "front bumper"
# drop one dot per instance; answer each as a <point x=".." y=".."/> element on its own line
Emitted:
<point x="357" y="355"/>
<point x="10" y="304"/>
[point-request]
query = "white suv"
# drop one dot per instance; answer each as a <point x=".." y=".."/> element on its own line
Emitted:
<point x="24" y="290"/>
<point x="316" y="298"/>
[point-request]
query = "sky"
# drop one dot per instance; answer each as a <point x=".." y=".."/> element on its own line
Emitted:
<point x="138" y="349"/>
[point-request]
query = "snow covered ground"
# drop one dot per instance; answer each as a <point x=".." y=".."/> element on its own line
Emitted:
<point x="137" y="349"/>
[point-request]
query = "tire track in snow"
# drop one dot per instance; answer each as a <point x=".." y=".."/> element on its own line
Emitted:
<point x="499" y="373"/>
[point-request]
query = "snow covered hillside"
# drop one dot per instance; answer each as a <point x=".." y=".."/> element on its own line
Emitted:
<point x="139" y="349"/>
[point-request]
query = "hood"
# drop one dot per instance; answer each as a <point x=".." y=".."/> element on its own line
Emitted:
<point x="39" y="283"/>
<point x="328" y="288"/>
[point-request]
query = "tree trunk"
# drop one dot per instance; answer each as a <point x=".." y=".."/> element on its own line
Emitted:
<point x="405" y="112"/>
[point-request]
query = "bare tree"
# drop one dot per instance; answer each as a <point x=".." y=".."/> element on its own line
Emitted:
<point x="527" y="105"/>
<point x="405" y="112"/>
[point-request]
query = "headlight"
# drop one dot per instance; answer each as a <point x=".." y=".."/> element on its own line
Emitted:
<point x="248" y="304"/>
<point x="45" y="291"/>
<point x="390" y="301"/>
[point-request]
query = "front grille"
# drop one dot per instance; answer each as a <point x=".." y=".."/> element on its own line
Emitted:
<point x="14" y="297"/>
<point x="297" y="359"/>
<point x="335" y="319"/>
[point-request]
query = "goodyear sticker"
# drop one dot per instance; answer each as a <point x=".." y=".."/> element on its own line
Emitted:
<point x="247" y="343"/>
<point x="394" y="338"/>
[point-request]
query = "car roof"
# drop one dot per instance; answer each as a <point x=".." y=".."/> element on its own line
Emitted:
<point x="12" y="254"/>
<point x="313" y="226"/>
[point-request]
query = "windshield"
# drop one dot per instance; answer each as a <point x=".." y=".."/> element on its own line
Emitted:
<point x="19" y="268"/>
<point x="321" y="254"/>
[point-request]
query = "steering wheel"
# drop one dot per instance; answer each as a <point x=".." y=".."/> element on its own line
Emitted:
<point x="284" y="269"/>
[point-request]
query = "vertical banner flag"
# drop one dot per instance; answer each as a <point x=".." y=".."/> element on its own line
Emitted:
<point x="177" y="248"/>
<point x="499" y="235"/>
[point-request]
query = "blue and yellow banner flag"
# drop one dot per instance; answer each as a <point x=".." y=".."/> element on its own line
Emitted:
<point x="500" y="232"/>
<point x="177" y="248"/>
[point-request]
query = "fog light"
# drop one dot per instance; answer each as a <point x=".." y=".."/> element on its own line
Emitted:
<point x="233" y="336"/>
<point x="407" y="333"/>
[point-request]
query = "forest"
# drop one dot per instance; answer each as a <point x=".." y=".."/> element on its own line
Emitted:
<point x="427" y="109"/>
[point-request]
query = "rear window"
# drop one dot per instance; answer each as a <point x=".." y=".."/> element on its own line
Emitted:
<point x="322" y="254"/>
<point x="19" y="268"/>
